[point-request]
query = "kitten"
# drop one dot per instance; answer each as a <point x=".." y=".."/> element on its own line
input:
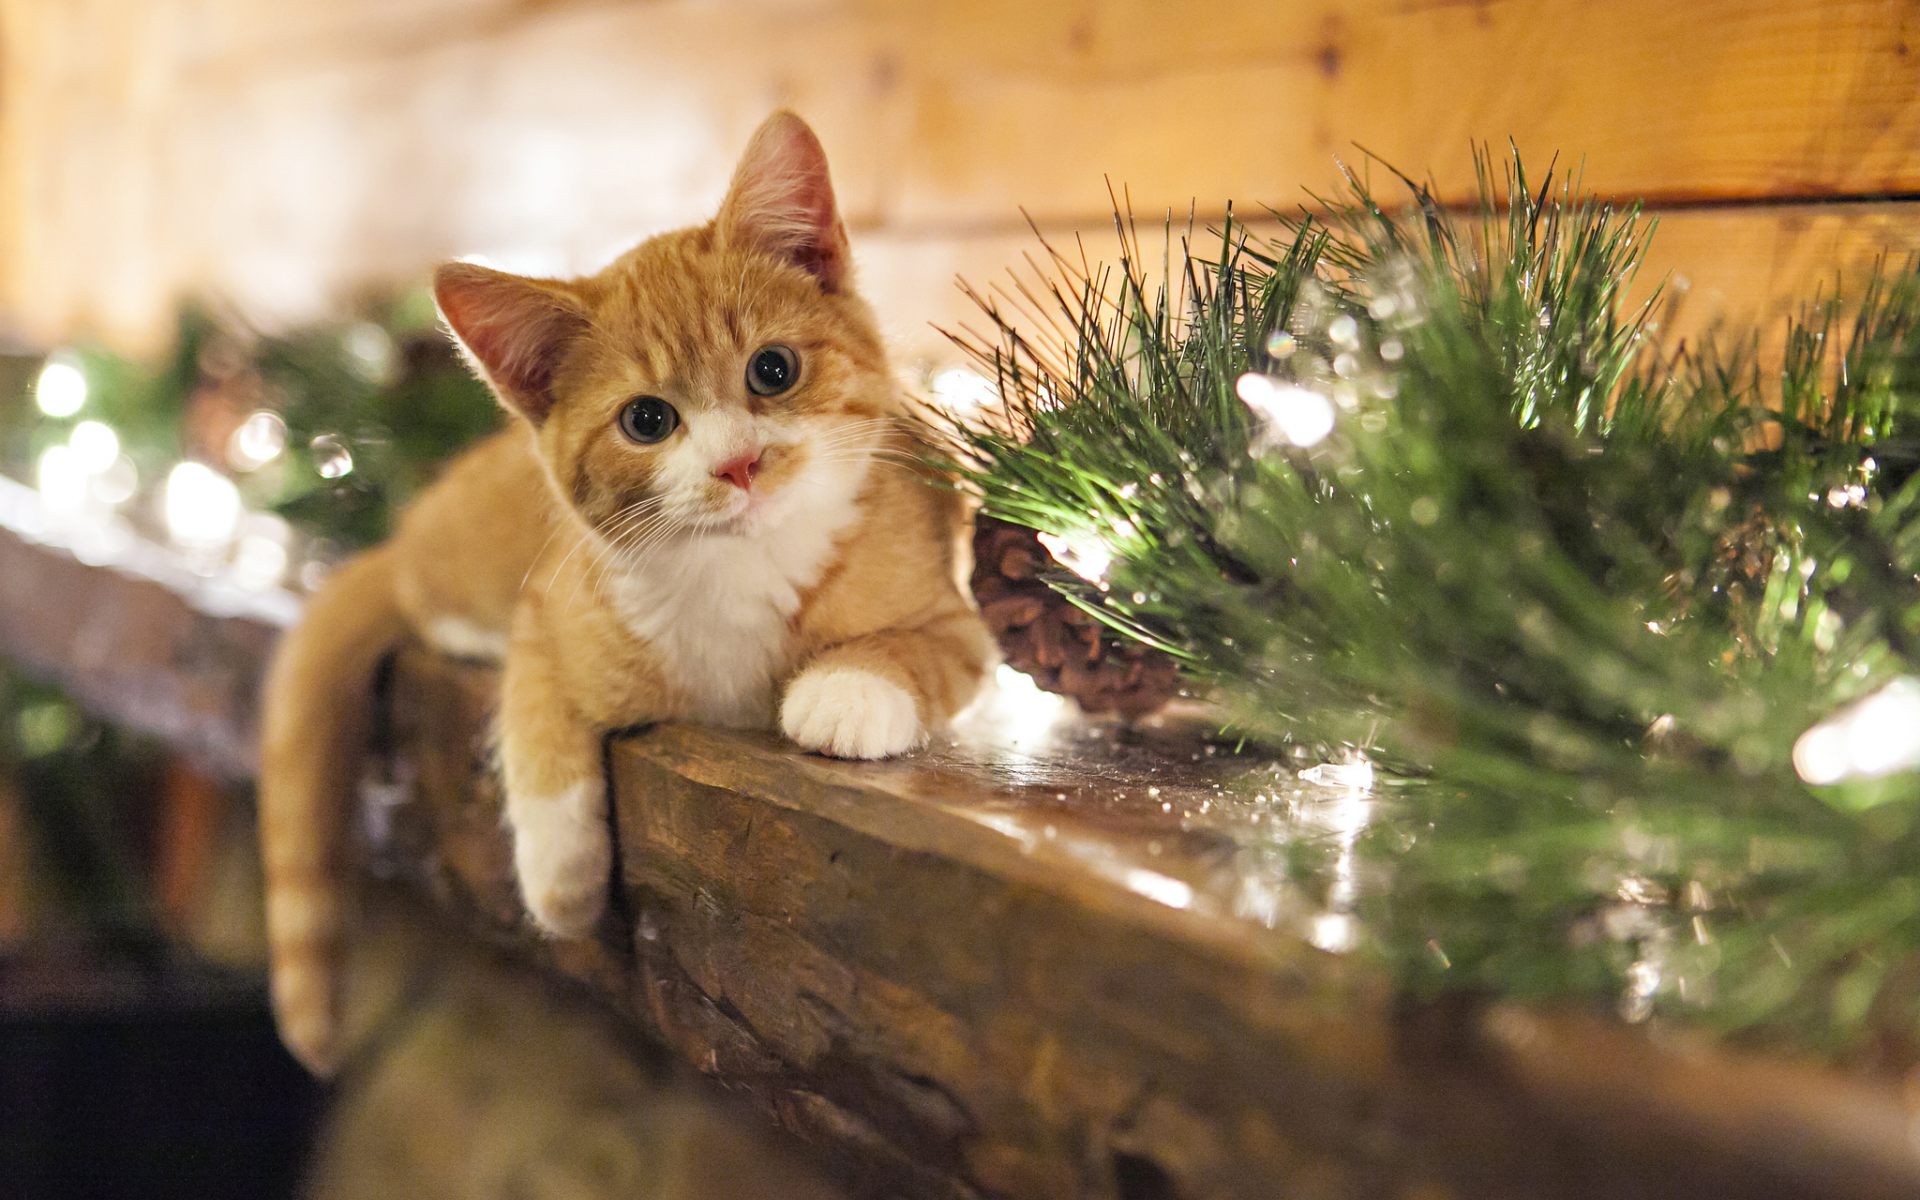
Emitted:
<point x="707" y="510"/>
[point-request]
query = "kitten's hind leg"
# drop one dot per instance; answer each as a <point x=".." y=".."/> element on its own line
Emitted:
<point x="556" y="796"/>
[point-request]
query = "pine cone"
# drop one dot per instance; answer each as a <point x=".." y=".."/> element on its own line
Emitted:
<point x="1060" y="645"/>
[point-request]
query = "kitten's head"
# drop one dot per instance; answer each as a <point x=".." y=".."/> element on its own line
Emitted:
<point x="717" y="379"/>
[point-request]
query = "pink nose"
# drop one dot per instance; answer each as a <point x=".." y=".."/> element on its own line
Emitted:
<point x="739" y="471"/>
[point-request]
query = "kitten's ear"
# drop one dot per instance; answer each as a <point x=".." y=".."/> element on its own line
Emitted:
<point x="782" y="201"/>
<point x="515" y="331"/>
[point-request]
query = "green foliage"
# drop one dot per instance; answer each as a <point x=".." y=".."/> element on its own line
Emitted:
<point x="389" y="390"/>
<point x="84" y="791"/>
<point x="1583" y="594"/>
<point x="400" y="416"/>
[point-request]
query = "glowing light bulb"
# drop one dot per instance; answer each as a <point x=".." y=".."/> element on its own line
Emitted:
<point x="1820" y="756"/>
<point x="61" y="388"/>
<point x="1335" y="932"/>
<point x="202" y="506"/>
<point x="1298" y="417"/>
<point x="95" y="445"/>
<point x="963" y="390"/>
<point x="1884" y="733"/>
<point x="1023" y="700"/>
<point x="1878" y="736"/>
<point x="1088" y="559"/>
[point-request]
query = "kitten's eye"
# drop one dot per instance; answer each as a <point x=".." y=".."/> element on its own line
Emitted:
<point x="772" y="370"/>
<point x="648" y="419"/>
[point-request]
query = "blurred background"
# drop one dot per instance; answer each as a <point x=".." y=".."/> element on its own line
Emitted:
<point x="219" y="375"/>
<point x="288" y="158"/>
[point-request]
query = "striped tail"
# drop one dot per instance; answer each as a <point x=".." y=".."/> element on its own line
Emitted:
<point x="318" y="702"/>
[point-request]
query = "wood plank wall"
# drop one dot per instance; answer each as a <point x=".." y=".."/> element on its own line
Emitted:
<point x="288" y="156"/>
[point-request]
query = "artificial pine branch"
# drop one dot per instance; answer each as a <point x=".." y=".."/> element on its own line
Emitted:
<point x="1582" y="593"/>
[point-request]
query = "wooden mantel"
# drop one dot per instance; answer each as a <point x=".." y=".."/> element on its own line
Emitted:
<point x="1001" y="967"/>
<point x="1041" y="958"/>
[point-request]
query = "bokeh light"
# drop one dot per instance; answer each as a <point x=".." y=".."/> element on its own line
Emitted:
<point x="1878" y="736"/>
<point x="259" y="440"/>
<point x="95" y="445"/>
<point x="1085" y="557"/>
<point x="961" y="390"/>
<point x="1299" y="417"/>
<point x="61" y="388"/>
<point x="62" y="479"/>
<point x="202" y="506"/>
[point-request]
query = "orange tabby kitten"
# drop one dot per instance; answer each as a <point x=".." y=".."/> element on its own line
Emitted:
<point x="705" y="512"/>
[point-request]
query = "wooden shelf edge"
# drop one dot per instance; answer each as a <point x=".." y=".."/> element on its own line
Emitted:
<point x="949" y="1014"/>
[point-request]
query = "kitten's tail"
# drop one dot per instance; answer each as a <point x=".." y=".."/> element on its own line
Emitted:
<point x="315" y="731"/>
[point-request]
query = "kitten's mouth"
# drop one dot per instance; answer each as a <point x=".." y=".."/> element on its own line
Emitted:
<point x="744" y="512"/>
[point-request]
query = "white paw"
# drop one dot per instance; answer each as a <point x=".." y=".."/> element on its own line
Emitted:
<point x="562" y="854"/>
<point x="850" y="713"/>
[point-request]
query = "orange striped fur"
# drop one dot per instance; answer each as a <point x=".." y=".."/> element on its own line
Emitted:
<point x="776" y="560"/>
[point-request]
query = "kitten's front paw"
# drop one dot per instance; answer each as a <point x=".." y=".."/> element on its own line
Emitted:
<point x="850" y="713"/>
<point x="562" y="854"/>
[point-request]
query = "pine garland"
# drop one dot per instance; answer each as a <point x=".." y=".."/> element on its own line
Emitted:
<point x="385" y="391"/>
<point x="367" y="409"/>
<point x="1400" y="484"/>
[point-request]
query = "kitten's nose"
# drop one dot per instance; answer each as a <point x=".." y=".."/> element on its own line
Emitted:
<point x="739" y="471"/>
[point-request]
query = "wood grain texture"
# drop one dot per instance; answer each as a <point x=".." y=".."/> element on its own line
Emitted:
<point x="1739" y="268"/>
<point x="490" y="1079"/>
<point x="1758" y="264"/>
<point x="1024" y="962"/>
<point x="287" y="157"/>
<point x="999" y="967"/>
<point x="1716" y="100"/>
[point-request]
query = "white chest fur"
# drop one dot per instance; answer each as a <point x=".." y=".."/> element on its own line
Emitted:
<point x="718" y="608"/>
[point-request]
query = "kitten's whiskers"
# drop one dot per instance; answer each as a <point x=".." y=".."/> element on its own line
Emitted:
<point x="598" y="546"/>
